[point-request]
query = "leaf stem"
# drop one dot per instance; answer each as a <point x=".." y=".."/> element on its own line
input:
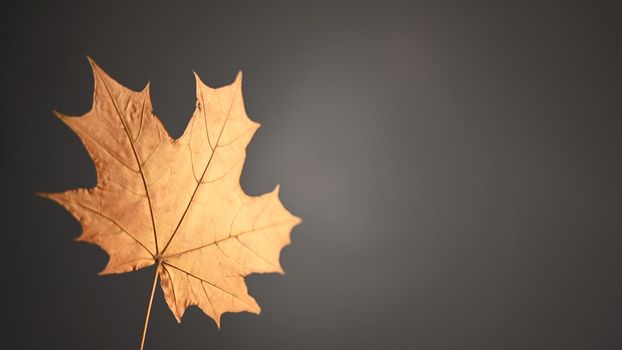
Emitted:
<point x="155" y="280"/>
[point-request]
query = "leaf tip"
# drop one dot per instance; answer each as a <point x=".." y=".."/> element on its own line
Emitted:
<point x="197" y="78"/>
<point x="42" y="194"/>
<point x="95" y="68"/>
<point x="147" y="86"/>
<point x="57" y="197"/>
<point x="58" y="114"/>
<point x="297" y="220"/>
<point x="91" y="61"/>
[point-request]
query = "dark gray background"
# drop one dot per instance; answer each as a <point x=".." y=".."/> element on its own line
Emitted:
<point x="456" y="164"/>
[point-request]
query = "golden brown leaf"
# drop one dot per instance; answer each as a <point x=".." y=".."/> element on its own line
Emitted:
<point x="177" y="203"/>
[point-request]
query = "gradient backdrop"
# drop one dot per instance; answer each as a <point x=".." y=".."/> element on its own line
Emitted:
<point x="457" y="166"/>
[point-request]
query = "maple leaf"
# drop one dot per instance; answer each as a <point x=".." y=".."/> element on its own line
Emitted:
<point x="177" y="204"/>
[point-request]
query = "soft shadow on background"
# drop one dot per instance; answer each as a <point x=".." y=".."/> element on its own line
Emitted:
<point x="457" y="166"/>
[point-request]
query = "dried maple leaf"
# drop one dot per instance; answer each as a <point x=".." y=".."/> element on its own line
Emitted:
<point x="177" y="204"/>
